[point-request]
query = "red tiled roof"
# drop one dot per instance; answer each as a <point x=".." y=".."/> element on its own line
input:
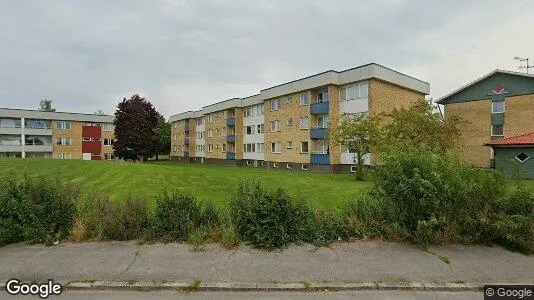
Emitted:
<point x="525" y="139"/>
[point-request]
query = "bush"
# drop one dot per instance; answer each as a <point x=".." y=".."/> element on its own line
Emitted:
<point x="198" y="239"/>
<point x="176" y="216"/>
<point x="35" y="210"/>
<point x="269" y="219"/>
<point x="97" y="218"/>
<point x="435" y="198"/>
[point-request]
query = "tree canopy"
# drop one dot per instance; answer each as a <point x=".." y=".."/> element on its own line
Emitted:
<point x="163" y="132"/>
<point x="136" y="122"/>
<point x="46" y="105"/>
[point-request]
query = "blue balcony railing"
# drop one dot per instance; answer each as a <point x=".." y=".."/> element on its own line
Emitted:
<point x="186" y="154"/>
<point x="230" y="155"/>
<point x="320" y="159"/>
<point x="318" y="133"/>
<point x="230" y="138"/>
<point x="320" y="108"/>
<point x="230" y="121"/>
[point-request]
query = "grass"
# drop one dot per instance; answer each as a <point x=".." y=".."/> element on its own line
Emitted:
<point x="206" y="182"/>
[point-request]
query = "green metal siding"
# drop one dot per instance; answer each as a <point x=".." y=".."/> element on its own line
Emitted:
<point x="514" y="84"/>
<point x="505" y="160"/>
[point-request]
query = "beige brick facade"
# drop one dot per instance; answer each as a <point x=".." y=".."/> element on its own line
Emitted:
<point x="519" y="115"/>
<point x="177" y="138"/>
<point x="219" y="131"/>
<point x="75" y="134"/>
<point x="384" y="97"/>
<point x="288" y="133"/>
<point x="334" y="118"/>
<point x="238" y="133"/>
<point x="475" y="131"/>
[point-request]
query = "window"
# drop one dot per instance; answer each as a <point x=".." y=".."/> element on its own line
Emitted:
<point x="63" y="155"/>
<point x="249" y="112"/>
<point x="290" y="122"/>
<point x="322" y="121"/>
<point x="216" y="130"/>
<point x="210" y="148"/>
<point x="275" y="165"/>
<point x="275" y="148"/>
<point x="210" y="132"/>
<point x="261" y="110"/>
<point x="304" y="167"/>
<point x="109" y="127"/>
<point x="275" y="126"/>
<point x="210" y="118"/>
<point x="248" y="162"/>
<point x="199" y="122"/>
<point x="223" y="148"/>
<point x="259" y="147"/>
<point x="217" y="115"/>
<point x="263" y="163"/>
<point x="63" y="125"/>
<point x="289" y="99"/>
<point x="320" y="147"/>
<point x="91" y="124"/>
<point x="304" y="147"/>
<point x="199" y="135"/>
<point x="289" y="166"/>
<point x="497" y="107"/>
<point x="352" y="169"/>
<point x="497" y="130"/>
<point x="289" y="144"/>
<point x="108" y="142"/>
<point x="275" y="104"/>
<point x="182" y="148"/>
<point x="260" y="128"/>
<point x="322" y="96"/>
<point x="249" y="129"/>
<point x="64" y="141"/>
<point x="355" y="91"/>
<point x="522" y="157"/>
<point x="249" y="148"/>
<point x="304" y="124"/>
<point x="303" y="99"/>
<point x="86" y="139"/>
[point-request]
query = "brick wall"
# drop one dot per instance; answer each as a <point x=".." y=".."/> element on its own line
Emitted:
<point x="519" y="115"/>
<point x="217" y="125"/>
<point x="287" y="133"/>
<point x="475" y="132"/>
<point x="75" y="133"/>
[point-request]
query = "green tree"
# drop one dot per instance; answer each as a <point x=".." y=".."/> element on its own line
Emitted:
<point x="163" y="131"/>
<point x="46" y="105"/>
<point x="360" y="133"/>
<point x="420" y="125"/>
<point x="136" y="121"/>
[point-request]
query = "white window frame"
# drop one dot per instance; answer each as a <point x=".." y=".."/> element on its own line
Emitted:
<point x="304" y="99"/>
<point x="63" y="125"/>
<point x="304" y="167"/>
<point x="276" y="104"/>
<point x="522" y="161"/>
<point x="308" y="147"/>
<point x="359" y="94"/>
<point x="493" y="134"/>
<point x="260" y="129"/>
<point x="261" y="110"/>
<point x="493" y="111"/>
<point x="289" y="166"/>
<point x="274" y="146"/>
<point x="307" y="122"/>
<point x="276" y="124"/>
<point x="289" y="145"/>
<point x="289" y="122"/>
<point x="275" y="165"/>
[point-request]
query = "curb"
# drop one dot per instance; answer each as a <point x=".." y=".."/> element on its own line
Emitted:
<point x="272" y="287"/>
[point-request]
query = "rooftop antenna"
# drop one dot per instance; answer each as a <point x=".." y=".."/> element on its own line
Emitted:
<point x="521" y="59"/>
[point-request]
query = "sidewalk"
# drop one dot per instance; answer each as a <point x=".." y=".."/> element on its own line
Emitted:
<point x="367" y="265"/>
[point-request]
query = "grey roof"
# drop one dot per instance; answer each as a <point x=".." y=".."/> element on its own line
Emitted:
<point x="56" y="115"/>
<point x="440" y="100"/>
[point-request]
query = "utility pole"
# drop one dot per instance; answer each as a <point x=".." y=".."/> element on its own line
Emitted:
<point x="521" y="59"/>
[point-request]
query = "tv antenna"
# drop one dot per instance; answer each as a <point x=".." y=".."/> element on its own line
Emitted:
<point x="521" y="59"/>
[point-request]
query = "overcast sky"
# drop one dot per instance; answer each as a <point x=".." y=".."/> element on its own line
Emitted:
<point x="182" y="55"/>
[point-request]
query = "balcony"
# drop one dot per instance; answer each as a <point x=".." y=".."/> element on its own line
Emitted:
<point x="230" y="155"/>
<point x="186" y="153"/>
<point x="230" y="121"/>
<point x="320" y="159"/>
<point x="318" y="133"/>
<point x="320" y="108"/>
<point x="230" y="138"/>
<point x="186" y="141"/>
<point x="186" y="128"/>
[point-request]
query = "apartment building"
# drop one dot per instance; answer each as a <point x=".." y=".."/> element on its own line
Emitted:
<point x="61" y="135"/>
<point x="495" y="106"/>
<point x="286" y="126"/>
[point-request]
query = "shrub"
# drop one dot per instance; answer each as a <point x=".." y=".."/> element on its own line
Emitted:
<point x="97" y="218"/>
<point x="176" y="216"/>
<point x="268" y="219"/>
<point x="35" y="210"/>
<point x="198" y="239"/>
<point x="228" y="237"/>
<point x="436" y="198"/>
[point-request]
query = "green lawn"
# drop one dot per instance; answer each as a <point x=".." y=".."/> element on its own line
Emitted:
<point x="206" y="182"/>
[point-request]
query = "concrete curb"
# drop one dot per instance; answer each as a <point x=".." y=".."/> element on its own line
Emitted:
<point x="271" y="287"/>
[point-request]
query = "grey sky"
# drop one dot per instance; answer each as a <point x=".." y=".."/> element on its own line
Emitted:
<point x="182" y="55"/>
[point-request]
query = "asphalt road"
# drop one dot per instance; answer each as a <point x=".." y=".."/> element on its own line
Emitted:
<point x="127" y="295"/>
